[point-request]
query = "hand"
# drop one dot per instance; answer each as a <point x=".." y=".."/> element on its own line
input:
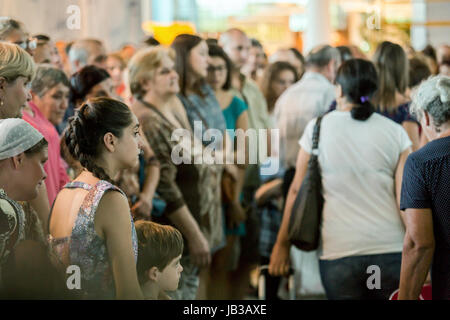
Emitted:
<point x="199" y="251"/>
<point x="143" y="207"/>
<point x="279" y="259"/>
<point x="235" y="215"/>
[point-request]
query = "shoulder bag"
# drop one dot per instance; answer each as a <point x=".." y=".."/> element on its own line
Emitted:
<point x="306" y="215"/>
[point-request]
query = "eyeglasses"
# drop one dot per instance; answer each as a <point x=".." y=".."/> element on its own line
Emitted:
<point x="213" y="69"/>
<point x="30" y="44"/>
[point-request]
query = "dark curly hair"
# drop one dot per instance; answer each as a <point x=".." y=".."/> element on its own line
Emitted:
<point x="84" y="135"/>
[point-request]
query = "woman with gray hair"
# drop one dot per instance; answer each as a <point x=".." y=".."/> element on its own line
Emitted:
<point x="50" y="93"/>
<point x="425" y="196"/>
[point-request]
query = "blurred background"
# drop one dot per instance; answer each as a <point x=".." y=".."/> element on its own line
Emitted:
<point x="276" y="23"/>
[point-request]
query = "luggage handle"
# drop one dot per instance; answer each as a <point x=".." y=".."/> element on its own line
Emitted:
<point x="263" y="271"/>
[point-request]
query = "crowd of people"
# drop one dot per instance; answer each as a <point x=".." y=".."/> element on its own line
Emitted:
<point x="103" y="166"/>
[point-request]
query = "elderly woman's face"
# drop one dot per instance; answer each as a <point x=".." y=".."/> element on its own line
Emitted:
<point x="14" y="96"/>
<point x="53" y="103"/>
<point x="165" y="79"/>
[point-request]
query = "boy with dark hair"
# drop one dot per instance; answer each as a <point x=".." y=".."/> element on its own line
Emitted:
<point x="159" y="252"/>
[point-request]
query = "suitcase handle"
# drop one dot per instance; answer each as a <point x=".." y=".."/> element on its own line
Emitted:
<point x="263" y="271"/>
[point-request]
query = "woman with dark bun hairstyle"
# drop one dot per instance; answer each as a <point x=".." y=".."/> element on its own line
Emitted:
<point x="361" y="156"/>
<point x="90" y="224"/>
<point x="138" y="183"/>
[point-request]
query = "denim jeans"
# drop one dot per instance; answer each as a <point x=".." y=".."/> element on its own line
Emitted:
<point x="348" y="278"/>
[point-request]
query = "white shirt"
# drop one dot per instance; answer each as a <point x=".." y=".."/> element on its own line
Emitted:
<point x="305" y="100"/>
<point x="358" y="160"/>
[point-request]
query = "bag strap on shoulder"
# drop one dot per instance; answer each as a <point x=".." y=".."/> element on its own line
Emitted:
<point x="316" y="135"/>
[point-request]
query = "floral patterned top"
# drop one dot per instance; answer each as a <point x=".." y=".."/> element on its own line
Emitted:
<point x="12" y="227"/>
<point x="85" y="249"/>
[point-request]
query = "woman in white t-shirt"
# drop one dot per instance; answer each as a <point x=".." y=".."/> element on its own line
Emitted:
<point x="361" y="155"/>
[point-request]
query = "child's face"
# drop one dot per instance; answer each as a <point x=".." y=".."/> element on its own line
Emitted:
<point x="170" y="276"/>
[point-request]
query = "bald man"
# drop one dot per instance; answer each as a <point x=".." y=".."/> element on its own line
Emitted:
<point x="87" y="52"/>
<point x="237" y="46"/>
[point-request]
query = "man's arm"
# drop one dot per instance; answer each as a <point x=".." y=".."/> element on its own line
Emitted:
<point x="418" y="250"/>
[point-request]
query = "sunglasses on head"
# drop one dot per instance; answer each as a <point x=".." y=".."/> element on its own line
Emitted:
<point x="30" y="43"/>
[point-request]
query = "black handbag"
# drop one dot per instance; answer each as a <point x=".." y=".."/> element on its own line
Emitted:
<point x="306" y="215"/>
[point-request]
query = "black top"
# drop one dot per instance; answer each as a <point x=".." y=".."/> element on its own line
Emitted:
<point x="426" y="184"/>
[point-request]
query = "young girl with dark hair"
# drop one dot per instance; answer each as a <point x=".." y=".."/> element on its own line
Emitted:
<point x="361" y="156"/>
<point x="95" y="231"/>
<point x="138" y="183"/>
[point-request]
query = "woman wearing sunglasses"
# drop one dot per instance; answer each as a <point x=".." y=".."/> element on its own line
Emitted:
<point x="14" y="31"/>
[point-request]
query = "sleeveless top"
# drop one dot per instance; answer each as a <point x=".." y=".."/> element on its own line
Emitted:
<point x="85" y="249"/>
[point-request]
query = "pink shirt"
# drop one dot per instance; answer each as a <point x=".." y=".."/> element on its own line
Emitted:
<point x="54" y="167"/>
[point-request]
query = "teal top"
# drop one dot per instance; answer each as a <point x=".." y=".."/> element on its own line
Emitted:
<point x="233" y="112"/>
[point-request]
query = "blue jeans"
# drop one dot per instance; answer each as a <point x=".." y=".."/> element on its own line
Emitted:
<point x="349" y="278"/>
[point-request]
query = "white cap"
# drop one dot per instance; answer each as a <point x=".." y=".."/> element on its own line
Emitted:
<point x="17" y="136"/>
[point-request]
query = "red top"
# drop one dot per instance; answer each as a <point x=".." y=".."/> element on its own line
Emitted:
<point x="54" y="167"/>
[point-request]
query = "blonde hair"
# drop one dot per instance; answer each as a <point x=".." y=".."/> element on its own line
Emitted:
<point x="143" y="66"/>
<point x="15" y="62"/>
